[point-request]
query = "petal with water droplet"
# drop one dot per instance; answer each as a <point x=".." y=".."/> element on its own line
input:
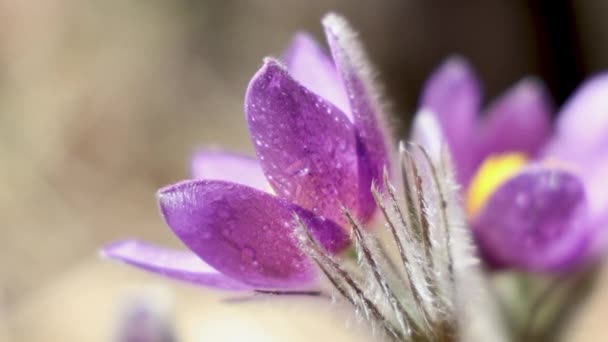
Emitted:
<point x="307" y="145"/>
<point x="245" y="233"/>
<point x="174" y="264"/>
<point x="536" y="221"/>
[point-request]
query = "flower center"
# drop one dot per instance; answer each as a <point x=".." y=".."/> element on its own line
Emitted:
<point x="493" y="172"/>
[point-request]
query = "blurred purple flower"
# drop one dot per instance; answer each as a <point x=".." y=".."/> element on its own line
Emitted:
<point x="316" y="127"/>
<point x="144" y="318"/>
<point x="534" y="191"/>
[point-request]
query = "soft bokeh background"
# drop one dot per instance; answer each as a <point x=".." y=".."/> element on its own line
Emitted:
<point x="101" y="103"/>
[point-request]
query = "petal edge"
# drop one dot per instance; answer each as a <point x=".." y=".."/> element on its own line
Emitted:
<point x="179" y="265"/>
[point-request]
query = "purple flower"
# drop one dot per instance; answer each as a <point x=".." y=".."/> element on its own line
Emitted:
<point x="316" y="127"/>
<point x="144" y="318"/>
<point x="534" y="191"/>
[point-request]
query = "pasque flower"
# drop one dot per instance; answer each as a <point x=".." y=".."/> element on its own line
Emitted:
<point x="320" y="142"/>
<point x="535" y="191"/>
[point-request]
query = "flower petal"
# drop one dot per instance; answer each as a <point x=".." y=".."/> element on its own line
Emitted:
<point x="427" y="133"/>
<point x="179" y="265"/>
<point x="596" y="184"/>
<point x="582" y="125"/>
<point x="356" y="72"/>
<point x="306" y="146"/>
<point x="244" y="233"/>
<point x="519" y="121"/>
<point x="310" y="65"/>
<point x="593" y="175"/>
<point x="453" y="94"/>
<point x="537" y="221"/>
<point x="209" y="164"/>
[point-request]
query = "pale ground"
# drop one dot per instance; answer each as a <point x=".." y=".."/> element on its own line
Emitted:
<point x="93" y="291"/>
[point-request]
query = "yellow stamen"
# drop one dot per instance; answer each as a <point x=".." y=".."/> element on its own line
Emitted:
<point x="492" y="173"/>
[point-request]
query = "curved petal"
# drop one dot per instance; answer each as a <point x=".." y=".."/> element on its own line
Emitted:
<point x="582" y="125"/>
<point x="519" y="121"/>
<point x="310" y="65"/>
<point x="244" y="233"/>
<point x="536" y="221"/>
<point x="179" y="265"/>
<point x="356" y="72"/>
<point x="210" y="164"/>
<point x="453" y="94"/>
<point x="596" y="183"/>
<point x="427" y="133"/>
<point x="306" y="145"/>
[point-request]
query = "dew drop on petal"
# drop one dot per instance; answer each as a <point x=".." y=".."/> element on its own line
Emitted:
<point x="303" y="172"/>
<point x="522" y="200"/>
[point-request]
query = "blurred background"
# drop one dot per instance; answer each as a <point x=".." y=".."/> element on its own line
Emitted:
<point x="102" y="102"/>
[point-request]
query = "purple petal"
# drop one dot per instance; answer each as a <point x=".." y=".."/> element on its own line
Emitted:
<point x="519" y="121"/>
<point x="244" y="233"/>
<point x="453" y="94"/>
<point x="208" y="164"/>
<point x="536" y="221"/>
<point x="179" y="265"/>
<point x="596" y="184"/>
<point x="355" y="70"/>
<point x="582" y="125"/>
<point x="306" y="145"/>
<point x="594" y="176"/>
<point x="310" y="65"/>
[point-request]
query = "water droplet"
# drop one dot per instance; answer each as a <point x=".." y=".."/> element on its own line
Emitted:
<point x="522" y="200"/>
<point x="294" y="167"/>
<point x="303" y="172"/>
<point x="258" y="142"/>
<point x="226" y="232"/>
